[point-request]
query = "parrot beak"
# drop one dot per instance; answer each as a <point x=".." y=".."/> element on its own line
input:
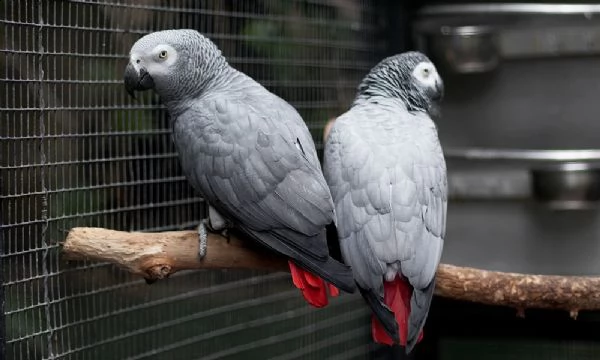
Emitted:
<point x="437" y="94"/>
<point x="439" y="90"/>
<point x="135" y="80"/>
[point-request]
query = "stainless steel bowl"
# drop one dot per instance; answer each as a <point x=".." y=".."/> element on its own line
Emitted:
<point x="474" y="38"/>
<point x="558" y="179"/>
<point x="467" y="49"/>
<point x="567" y="186"/>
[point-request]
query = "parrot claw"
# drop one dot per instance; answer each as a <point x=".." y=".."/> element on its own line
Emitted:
<point x="217" y="223"/>
<point x="225" y="234"/>
<point x="203" y="238"/>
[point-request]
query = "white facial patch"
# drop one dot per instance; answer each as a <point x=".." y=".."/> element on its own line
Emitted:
<point x="426" y="74"/>
<point x="163" y="56"/>
<point x="158" y="61"/>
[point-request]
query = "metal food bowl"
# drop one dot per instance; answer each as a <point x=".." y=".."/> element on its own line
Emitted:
<point x="467" y="49"/>
<point x="567" y="186"/>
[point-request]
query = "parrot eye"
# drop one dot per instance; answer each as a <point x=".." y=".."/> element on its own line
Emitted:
<point x="425" y="74"/>
<point x="162" y="54"/>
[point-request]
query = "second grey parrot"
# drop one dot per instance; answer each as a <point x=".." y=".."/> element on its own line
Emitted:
<point x="246" y="151"/>
<point x="386" y="171"/>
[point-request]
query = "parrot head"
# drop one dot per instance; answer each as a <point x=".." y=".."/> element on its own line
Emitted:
<point x="410" y="76"/>
<point x="175" y="63"/>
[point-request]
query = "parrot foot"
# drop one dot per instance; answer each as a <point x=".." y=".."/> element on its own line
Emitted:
<point x="225" y="234"/>
<point x="217" y="223"/>
<point x="214" y="223"/>
<point x="203" y="238"/>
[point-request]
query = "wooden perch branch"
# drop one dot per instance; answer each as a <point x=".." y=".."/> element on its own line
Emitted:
<point x="571" y="293"/>
<point x="158" y="255"/>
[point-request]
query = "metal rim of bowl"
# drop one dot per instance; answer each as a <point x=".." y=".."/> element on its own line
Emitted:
<point x="512" y="8"/>
<point x="523" y="155"/>
<point x="467" y="30"/>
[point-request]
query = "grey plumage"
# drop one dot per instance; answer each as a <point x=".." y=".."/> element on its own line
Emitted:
<point x="387" y="174"/>
<point x="244" y="149"/>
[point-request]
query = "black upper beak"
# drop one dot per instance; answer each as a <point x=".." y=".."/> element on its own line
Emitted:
<point x="137" y="81"/>
<point x="439" y="90"/>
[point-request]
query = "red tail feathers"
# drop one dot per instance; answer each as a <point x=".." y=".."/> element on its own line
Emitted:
<point x="314" y="289"/>
<point x="396" y="296"/>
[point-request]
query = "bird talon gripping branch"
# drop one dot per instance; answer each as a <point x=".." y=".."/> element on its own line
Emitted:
<point x="225" y="234"/>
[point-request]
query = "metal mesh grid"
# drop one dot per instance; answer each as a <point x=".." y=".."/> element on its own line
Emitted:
<point x="76" y="151"/>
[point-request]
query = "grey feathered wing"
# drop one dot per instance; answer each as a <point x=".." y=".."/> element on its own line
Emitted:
<point x="254" y="161"/>
<point x="388" y="180"/>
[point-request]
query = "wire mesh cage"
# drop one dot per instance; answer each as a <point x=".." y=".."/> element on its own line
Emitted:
<point x="75" y="150"/>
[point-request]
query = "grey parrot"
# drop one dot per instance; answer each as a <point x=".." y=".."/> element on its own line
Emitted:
<point x="246" y="151"/>
<point x="386" y="170"/>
